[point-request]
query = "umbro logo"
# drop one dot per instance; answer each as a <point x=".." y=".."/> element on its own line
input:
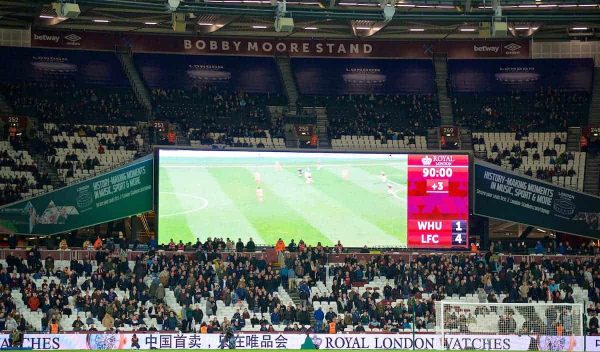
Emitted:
<point x="512" y="47"/>
<point x="73" y="37"/>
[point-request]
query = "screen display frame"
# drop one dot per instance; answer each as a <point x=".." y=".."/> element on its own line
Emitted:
<point x="467" y="153"/>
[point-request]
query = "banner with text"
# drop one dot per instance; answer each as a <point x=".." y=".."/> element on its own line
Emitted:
<point x="122" y="192"/>
<point x="303" y="47"/>
<point x="363" y="76"/>
<point x="246" y="74"/>
<point x="530" y="75"/>
<point x="294" y="341"/>
<point x="505" y="195"/>
<point x="42" y="65"/>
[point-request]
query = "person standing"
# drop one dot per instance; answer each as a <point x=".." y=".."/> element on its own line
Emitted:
<point x="135" y="342"/>
<point x="319" y="316"/>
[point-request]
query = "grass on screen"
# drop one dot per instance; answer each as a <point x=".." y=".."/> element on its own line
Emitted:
<point x="223" y="202"/>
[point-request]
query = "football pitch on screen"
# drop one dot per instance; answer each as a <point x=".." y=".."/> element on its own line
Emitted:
<point x="356" y="198"/>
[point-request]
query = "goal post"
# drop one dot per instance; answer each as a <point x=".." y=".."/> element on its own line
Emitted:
<point x="544" y="324"/>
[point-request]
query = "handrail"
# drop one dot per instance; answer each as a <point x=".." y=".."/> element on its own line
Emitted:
<point x="269" y="254"/>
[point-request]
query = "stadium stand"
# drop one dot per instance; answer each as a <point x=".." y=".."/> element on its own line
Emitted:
<point x="490" y="95"/>
<point x="136" y="291"/>
<point x="538" y="154"/>
<point x="378" y="122"/>
<point x="213" y="109"/>
<point x="258" y="139"/>
<point x="68" y="86"/>
<point x="19" y="176"/>
<point x="218" y="100"/>
<point x="185" y="287"/>
<point x="547" y="110"/>
<point x="81" y="151"/>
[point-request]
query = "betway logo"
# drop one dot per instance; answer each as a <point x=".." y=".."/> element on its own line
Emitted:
<point x="485" y="48"/>
<point x="46" y="38"/>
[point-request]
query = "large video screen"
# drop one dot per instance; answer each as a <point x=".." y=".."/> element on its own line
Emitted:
<point x="378" y="200"/>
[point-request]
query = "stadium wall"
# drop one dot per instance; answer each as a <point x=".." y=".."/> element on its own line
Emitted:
<point x="158" y="340"/>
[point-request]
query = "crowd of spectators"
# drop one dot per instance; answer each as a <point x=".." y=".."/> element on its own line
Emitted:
<point x="120" y="141"/>
<point x="386" y="117"/>
<point x="545" y="110"/>
<point x="102" y="143"/>
<point x="15" y="185"/>
<point x="117" y="295"/>
<point x="208" y="137"/>
<point x="65" y="101"/>
<point x="18" y="186"/>
<point x="557" y="165"/>
<point x="213" y="109"/>
<point x="390" y="308"/>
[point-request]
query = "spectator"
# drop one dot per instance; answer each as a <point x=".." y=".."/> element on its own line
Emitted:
<point x="98" y="243"/>
<point x="250" y="246"/>
<point x="279" y="246"/>
<point x="239" y="246"/>
<point x="319" y="316"/>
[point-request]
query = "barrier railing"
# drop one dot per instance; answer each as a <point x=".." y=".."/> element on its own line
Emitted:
<point x="270" y="255"/>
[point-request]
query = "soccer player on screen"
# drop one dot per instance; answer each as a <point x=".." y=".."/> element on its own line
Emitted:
<point x="308" y="177"/>
<point x="390" y="189"/>
<point x="345" y="175"/>
<point x="383" y="177"/>
<point x="257" y="177"/>
<point x="260" y="196"/>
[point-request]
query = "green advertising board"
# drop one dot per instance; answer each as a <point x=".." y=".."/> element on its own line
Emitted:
<point x="508" y="196"/>
<point x="122" y="192"/>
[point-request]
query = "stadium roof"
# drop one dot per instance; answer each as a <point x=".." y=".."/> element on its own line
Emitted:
<point x="426" y="19"/>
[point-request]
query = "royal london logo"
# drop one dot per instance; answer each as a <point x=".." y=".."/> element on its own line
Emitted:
<point x="426" y="160"/>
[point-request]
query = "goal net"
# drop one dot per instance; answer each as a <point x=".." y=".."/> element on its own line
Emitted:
<point x="531" y="326"/>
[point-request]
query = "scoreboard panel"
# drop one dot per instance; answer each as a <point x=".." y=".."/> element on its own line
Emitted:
<point x="438" y="200"/>
<point x="377" y="199"/>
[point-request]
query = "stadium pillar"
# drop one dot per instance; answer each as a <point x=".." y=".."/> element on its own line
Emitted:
<point x="134" y="228"/>
<point x="484" y="235"/>
<point x="525" y="233"/>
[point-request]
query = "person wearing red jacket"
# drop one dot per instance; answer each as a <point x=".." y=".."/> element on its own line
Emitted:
<point x="33" y="302"/>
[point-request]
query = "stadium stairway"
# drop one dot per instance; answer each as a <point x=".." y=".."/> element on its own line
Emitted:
<point x="573" y="135"/>
<point x="291" y="138"/>
<point x="433" y="136"/>
<point x="295" y="297"/>
<point x="5" y="109"/>
<point x="138" y="86"/>
<point x="287" y="78"/>
<point x="595" y="102"/>
<point x="591" y="182"/>
<point x="41" y="161"/>
<point x="441" y="77"/>
<point x="324" y="142"/>
<point x="466" y="139"/>
<point x="182" y="136"/>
